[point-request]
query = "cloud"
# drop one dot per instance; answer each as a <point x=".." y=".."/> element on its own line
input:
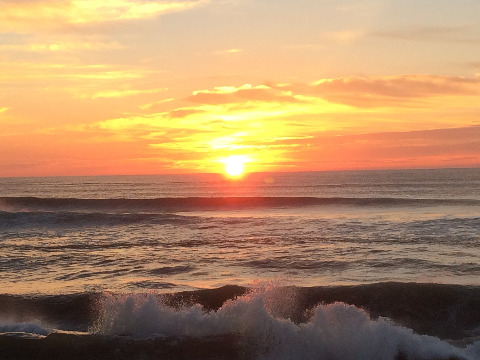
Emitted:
<point x="184" y="112"/>
<point x="345" y="36"/>
<point x="155" y="104"/>
<point x="52" y="81"/>
<point x="124" y="93"/>
<point x="444" y="136"/>
<point x="206" y="132"/>
<point x="62" y="46"/>
<point x="329" y="124"/>
<point x="228" y="51"/>
<point x="391" y="90"/>
<point x="360" y="92"/>
<point x="247" y="92"/>
<point x="462" y="34"/>
<point x="21" y="71"/>
<point x="283" y="117"/>
<point x="49" y="14"/>
<point x="474" y="65"/>
<point x="409" y="149"/>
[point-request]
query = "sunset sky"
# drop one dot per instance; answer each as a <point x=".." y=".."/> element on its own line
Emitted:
<point x="146" y="87"/>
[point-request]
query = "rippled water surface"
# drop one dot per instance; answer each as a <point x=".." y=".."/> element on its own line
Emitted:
<point x="169" y="233"/>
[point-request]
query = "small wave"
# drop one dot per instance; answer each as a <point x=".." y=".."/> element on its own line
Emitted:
<point x="289" y="264"/>
<point x="23" y="328"/>
<point x="82" y="274"/>
<point x="75" y="312"/>
<point x="149" y="284"/>
<point x="62" y="218"/>
<point x="17" y="204"/>
<point x="171" y="270"/>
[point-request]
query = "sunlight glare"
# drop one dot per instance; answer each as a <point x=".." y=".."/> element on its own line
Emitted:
<point x="235" y="165"/>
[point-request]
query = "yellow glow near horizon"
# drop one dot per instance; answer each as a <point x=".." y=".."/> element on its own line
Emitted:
<point x="235" y="165"/>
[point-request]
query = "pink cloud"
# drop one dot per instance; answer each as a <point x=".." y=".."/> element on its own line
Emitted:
<point x="242" y="94"/>
<point x="393" y="90"/>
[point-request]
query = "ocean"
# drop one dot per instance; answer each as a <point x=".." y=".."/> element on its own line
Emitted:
<point x="313" y="265"/>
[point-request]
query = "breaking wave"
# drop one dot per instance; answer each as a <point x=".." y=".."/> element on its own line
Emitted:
<point x="333" y="331"/>
<point x="377" y="321"/>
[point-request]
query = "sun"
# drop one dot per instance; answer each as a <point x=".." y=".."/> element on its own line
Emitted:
<point x="235" y="165"/>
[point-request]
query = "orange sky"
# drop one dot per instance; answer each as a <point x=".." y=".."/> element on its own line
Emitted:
<point x="143" y="87"/>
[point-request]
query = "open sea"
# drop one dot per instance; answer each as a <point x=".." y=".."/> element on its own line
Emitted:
<point x="316" y="265"/>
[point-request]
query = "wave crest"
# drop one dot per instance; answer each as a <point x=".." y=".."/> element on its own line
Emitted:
<point x="17" y="204"/>
<point x="333" y="331"/>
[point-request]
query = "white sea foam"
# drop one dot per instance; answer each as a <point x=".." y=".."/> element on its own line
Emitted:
<point x="334" y="331"/>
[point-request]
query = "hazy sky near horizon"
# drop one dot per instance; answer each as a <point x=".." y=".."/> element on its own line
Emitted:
<point x="133" y="87"/>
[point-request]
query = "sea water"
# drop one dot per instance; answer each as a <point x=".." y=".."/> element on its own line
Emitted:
<point x="315" y="265"/>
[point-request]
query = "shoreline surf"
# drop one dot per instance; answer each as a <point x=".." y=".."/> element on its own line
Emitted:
<point x="420" y="321"/>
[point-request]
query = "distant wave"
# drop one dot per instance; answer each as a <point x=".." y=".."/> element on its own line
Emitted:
<point x="15" y="204"/>
<point x="381" y="321"/>
<point x="64" y="218"/>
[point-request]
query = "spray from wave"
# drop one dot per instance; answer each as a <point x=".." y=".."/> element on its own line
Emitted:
<point x="260" y="322"/>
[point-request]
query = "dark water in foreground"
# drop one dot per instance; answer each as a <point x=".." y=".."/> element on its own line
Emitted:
<point x="346" y="265"/>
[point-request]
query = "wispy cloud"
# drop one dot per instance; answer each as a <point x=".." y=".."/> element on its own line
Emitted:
<point x="62" y="46"/>
<point x="391" y="90"/>
<point x="344" y="36"/>
<point x="457" y="34"/>
<point x="247" y="92"/>
<point x="21" y="71"/>
<point x="49" y="14"/>
<point x="416" y="148"/>
<point x="76" y="81"/>
<point x="184" y="112"/>
<point x="326" y="124"/>
<point x="228" y="51"/>
<point x="124" y="93"/>
<point x="362" y="92"/>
